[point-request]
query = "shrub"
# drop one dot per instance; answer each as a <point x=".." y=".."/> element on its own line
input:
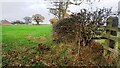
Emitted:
<point x="80" y="27"/>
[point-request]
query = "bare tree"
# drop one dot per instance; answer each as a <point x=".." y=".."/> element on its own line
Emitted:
<point x="38" y="18"/>
<point x="60" y="7"/>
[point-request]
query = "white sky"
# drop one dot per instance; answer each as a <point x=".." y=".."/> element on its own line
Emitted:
<point x="17" y="9"/>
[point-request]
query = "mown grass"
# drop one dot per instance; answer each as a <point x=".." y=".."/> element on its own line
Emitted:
<point x="21" y="35"/>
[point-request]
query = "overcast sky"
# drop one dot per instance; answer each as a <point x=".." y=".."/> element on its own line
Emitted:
<point x="17" y="9"/>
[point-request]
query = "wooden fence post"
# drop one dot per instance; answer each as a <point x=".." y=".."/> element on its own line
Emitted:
<point x="108" y="33"/>
<point x="112" y="22"/>
<point x="113" y="33"/>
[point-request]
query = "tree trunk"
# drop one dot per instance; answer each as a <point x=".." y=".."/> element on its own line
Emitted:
<point x="37" y="22"/>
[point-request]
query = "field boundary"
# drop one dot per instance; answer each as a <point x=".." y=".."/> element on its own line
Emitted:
<point x="110" y="36"/>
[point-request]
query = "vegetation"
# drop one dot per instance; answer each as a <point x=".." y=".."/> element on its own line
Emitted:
<point x="15" y="36"/>
<point x="27" y="19"/>
<point x="81" y="27"/>
<point x="38" y="18"/>
<point x="33" y="46"/>
<point x="53" y="20"/>
<point x="61" y="6"/>
<point x="18" y="22"/>
<point x="68" y="42"/>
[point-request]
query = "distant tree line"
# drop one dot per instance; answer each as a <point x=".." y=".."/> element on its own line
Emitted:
<point x="37" y="18"/>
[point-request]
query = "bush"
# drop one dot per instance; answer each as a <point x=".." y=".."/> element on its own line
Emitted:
<point x="80" y="27"/>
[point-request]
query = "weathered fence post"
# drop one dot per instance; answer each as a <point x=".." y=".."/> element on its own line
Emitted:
<point x="108" y="32"/>
<point x="113" y="33"/>
<point x="112" y="23"/>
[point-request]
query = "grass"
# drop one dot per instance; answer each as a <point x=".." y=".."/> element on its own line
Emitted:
<point x="22" y="35"/>
<point x="17" y="39"/>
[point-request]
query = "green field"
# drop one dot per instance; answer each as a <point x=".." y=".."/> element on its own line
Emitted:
<point x="22" y="35"/>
